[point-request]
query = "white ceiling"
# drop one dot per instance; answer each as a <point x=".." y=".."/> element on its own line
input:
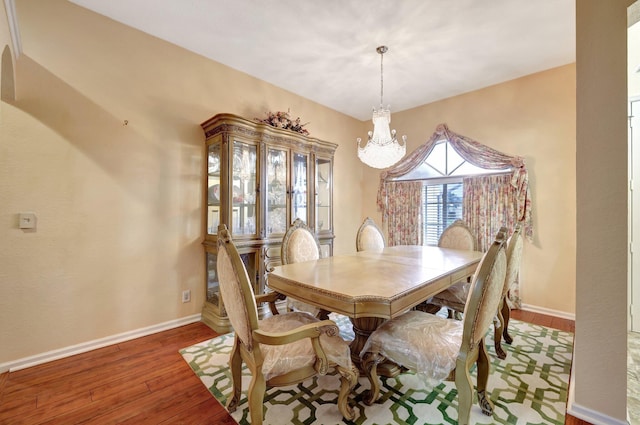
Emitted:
<point x="326" y="50"/>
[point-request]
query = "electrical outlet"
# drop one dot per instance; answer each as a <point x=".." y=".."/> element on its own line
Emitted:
<point x="186" y="295"/>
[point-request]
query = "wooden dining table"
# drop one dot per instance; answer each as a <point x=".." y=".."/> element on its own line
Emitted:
<point x="370" y="287"/>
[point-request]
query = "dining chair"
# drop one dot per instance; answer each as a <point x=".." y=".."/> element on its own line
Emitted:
<point x="445" y="349"/>
<point x="454" y="298"/>
<point x="279" y="350"/>
<point x="514" y="256"/>
<point x="456" y="236"/>
<point x="369" y="236"/>
<point x="301" y="244"/>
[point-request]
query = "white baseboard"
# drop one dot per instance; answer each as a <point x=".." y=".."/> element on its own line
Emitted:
<point x="592" y="416"/>
<point x="548" y="311"/>
<point x="97" y="343"/>
<point x="573" y="408"/>
<point x="584" y="413"/>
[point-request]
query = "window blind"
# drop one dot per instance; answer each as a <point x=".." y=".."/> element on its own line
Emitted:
<point x="441" y="206"/>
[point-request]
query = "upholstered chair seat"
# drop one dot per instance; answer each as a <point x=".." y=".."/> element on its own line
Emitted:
<point x="437" y="348"/>
<point x="281" y="359"/>
<point x="453" y="298"/>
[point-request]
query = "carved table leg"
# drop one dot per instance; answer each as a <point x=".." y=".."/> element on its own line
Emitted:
<point x="362" y="328"/>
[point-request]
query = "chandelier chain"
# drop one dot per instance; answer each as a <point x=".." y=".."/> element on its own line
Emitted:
<point x="381" y="77"/>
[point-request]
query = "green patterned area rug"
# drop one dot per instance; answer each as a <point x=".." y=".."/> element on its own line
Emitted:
<point x="529" y="387"/>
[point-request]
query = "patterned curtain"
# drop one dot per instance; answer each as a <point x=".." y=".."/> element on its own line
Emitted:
<point x="478" y="155"/>
<point x="403" y="212"/>
<point x="489" y="202"/>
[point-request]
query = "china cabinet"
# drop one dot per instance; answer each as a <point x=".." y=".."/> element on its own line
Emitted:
<point x="258" y="180"/>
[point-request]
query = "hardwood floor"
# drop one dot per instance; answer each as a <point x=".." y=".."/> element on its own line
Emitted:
<point x="143" y="381"/>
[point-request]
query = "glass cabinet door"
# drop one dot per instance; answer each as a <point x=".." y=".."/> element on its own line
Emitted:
<point x="213" y="285"/>
<point x="243" y="186"/>
<point x="250" y="260"/>
<point x="213" y="188"/>
<point x="323" y="195"/>
<point x="299" y="198"/>
<point x="276" y="187"/>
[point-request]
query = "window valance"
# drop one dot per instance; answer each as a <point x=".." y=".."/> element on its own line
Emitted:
<point x="476" y="154"/>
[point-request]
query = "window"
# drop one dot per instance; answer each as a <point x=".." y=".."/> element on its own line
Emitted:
<point x="441" y="206"/>
<point x="441" y="173"/>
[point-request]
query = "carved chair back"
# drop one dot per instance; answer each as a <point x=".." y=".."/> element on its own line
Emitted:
<point x="299" y="244"/>
<point x="369" y="236"/>
<point x="457" y="236"/>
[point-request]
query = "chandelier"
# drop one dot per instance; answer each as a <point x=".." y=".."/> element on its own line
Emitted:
<point x="382" y="149"/>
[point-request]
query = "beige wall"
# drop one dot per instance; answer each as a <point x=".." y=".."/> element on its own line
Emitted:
<point x="601" y="203"/>
<point x="5" y="37"/>
<point x="533" y="117"/>
<point x="119" y="207"/>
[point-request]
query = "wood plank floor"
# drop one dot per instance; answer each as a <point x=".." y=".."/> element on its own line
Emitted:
<point x="143" y="381"/>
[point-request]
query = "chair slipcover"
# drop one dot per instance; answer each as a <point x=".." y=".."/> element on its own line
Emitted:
<point x="404" y="339"/>
<point x="437" y="348"/>
<point x="428" y="344"/>
<point x="454" y="297"/>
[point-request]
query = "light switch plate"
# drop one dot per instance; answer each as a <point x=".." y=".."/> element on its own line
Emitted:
<point x="27" y="220"/>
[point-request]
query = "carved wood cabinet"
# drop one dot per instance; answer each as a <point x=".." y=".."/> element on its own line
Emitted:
<point x="258" y="180"/>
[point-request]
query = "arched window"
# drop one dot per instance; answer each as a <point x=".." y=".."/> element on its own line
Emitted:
<point x="443" y="162"/>
<point x="441" y="174"/>
<point x="452" y="176"/>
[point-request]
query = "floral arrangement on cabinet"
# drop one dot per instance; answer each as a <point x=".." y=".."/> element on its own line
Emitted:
<point x="283" y="120"/>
